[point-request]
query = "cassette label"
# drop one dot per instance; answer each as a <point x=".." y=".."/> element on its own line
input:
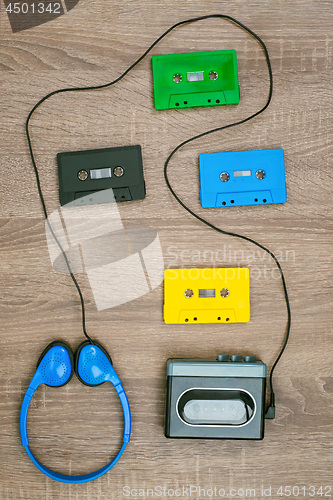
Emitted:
<point x="195" y="79"/>
<point x="242" y="178"/>
<point x="83" y="173"/>
<point x="218" y="295"/>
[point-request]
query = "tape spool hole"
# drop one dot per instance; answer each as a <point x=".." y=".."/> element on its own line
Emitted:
<point x="177" y="78"/>
<point x="185" y="102"/>
<point x="188" y="293"/>
<point x="255" y="199"/>
<point x="195" y="319"/>
<point x="82" y="175"/>
<point x="217" y="101"/>
<point x="224" y="292"/>
<point x="260" y="174"/>
<point x="264" y="200"/>
<point x="118" y="171"/>
<point x="186" y="320"/>
<point x="224" y="176"/>
<point x="219" y="318"/>
<point x="213" y="75"/>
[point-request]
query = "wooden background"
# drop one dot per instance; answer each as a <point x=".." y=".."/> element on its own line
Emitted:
<point x="76" y="429"/>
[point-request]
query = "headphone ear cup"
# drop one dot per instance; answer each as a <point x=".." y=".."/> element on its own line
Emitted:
<point x="92" y="363"/>
<point x="56" y="364"/>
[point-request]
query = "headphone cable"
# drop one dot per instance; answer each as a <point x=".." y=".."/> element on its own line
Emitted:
<point x="270" y="413"/>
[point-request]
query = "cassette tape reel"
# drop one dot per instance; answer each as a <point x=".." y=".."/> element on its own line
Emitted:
<point x="195" y="79"/>
<point x="242" y="178"/>
<point x="117" y="172"/>
<point x="219" y="295"/>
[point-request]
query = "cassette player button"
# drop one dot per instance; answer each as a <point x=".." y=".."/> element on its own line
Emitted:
<point x="236" y="357"/>
<point x="223" y="357"/>
<point x="250" y="359"/>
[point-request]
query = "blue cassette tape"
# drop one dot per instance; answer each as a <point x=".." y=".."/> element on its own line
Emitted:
<point x="242" y="178"/>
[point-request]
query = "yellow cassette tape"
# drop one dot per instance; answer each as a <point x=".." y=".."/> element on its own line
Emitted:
<point x="219" y="295"/>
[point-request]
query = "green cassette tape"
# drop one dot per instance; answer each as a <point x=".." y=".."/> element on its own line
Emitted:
<point x="196" y="79"/>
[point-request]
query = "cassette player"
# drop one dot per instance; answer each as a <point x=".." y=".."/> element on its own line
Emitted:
<point x="118" y="172"/>
<point x="195" y="79"/>
<point x="242" y="178"/>
<point x="218" y="295"/>
<point x="221" y="398"/>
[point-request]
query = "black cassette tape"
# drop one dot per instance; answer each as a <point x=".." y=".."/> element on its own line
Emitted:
<point x="83" y="173"/>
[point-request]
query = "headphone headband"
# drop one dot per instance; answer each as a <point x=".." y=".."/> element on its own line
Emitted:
<point x="55" y="368"/>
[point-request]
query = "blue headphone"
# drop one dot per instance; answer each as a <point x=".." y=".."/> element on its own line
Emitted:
<point x="55" y="367"/>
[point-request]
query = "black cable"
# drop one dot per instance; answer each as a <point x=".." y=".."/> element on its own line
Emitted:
<point x="271" y="409"/>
